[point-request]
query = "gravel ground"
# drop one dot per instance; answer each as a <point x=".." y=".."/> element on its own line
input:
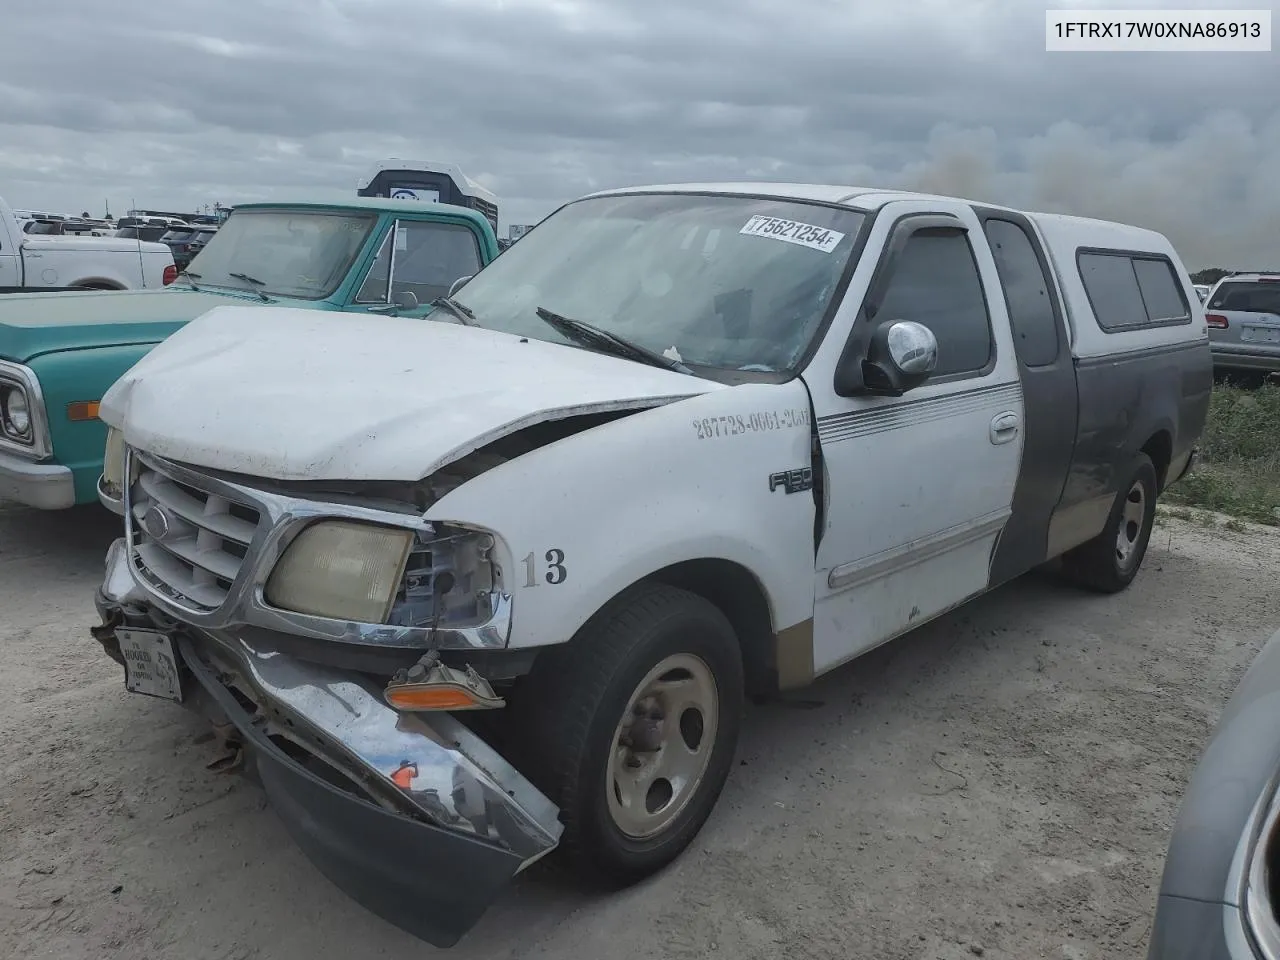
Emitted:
<point x="1000" y="783"/>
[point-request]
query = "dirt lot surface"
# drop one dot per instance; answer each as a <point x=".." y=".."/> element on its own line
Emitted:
<point x="1000" y="783"/>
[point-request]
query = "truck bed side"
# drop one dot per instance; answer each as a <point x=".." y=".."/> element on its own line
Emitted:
<point x="1142" y="387"/>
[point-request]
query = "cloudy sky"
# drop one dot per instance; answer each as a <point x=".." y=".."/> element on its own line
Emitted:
<point x="182" y="103"/>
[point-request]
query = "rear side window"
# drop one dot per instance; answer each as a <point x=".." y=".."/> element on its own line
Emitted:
<point x="1160" y="291"/>
<point x="1026" y="293"/>
<point x="936" y="283"/>
<point x="1129" y="291"/>
<point x="1246" y="297"/>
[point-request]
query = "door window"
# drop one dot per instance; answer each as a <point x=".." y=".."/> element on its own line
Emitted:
<point x="936" y="283"/>
<point x="1026" y="293"/>
<point x="428" y="258"/>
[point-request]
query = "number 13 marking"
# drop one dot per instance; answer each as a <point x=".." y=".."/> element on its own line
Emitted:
<point x="556" y="573"/>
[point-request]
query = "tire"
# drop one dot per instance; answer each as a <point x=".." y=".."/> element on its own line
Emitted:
<point x="570" y="711"/>
<point x="1109" y="562"/>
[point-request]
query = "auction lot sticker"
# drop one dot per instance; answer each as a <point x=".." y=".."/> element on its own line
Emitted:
<point x="793" y="231"/>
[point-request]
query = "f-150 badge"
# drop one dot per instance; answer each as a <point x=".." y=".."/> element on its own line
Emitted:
<point x="792" y="481"/>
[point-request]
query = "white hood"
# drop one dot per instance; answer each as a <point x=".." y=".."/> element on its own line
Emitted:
<point x="292" y="394"/>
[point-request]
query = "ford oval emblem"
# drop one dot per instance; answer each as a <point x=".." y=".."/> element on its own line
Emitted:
<point x="155" y="522"/>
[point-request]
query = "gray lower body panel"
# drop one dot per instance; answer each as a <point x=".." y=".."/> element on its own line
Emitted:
<point x="1258" y="358"/>
<point x="1198" y="930"/>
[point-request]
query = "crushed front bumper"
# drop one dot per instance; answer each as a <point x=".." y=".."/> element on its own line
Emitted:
<point x="429" y="857"/>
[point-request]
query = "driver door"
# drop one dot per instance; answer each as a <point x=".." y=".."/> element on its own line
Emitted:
<point x="918" y="487"/>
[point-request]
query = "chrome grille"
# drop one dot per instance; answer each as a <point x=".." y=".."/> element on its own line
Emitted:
<point x="187" y="542"/>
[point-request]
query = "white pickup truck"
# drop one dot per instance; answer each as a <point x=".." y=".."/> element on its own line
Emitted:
<point x="466" y="589"/>
<point x="29" y="262"/>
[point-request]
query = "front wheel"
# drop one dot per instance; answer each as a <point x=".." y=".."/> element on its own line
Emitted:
<point x="631" y="729"/>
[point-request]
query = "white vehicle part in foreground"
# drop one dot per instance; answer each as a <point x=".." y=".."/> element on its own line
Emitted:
<point x="292" y="407"/>
<point x="686" y="481"/>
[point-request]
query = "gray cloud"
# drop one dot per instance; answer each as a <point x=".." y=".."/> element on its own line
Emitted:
<point x="544" y="100"/>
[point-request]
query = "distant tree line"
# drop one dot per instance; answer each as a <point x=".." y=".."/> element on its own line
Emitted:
<point x="1214" y="274"/>
<point x="1209" y="275"/>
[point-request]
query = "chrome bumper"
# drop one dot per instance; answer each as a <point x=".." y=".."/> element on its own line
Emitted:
<point x="429" y="857"/>
<point x="46" y="486"/>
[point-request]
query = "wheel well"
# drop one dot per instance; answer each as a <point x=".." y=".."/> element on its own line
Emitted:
<point x="738" y="594"/>
<point x="98" y="285"/>
<point x="1160" y="449"/>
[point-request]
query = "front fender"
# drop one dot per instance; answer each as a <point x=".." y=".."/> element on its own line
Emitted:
<point x="73" y="376"/>
<point x="585" y="517"/>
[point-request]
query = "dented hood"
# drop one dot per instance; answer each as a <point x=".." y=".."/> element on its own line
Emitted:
<point x="292" y="394"/>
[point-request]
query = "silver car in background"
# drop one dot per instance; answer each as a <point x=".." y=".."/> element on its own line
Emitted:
<point x="1221" y="885"/>
<point x="1243" y="313"/>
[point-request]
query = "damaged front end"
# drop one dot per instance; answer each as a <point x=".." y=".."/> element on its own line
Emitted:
<point x="344" y="723"/>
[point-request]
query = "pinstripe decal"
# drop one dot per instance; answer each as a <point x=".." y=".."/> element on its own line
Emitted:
<point x="864" y="423"/>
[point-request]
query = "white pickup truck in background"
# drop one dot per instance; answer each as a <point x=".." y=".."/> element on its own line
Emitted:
<point x="90" y="263"/>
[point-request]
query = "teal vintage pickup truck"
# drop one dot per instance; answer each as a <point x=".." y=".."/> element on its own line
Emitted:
<point x="59" y="352"/>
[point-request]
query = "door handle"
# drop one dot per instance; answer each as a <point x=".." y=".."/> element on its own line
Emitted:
<point x="1004" y="426"/>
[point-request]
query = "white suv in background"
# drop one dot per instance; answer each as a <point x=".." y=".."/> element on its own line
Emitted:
<point x="1243" y="313"/>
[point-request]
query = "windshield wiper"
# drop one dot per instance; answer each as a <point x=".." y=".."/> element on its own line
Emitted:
<point x="191" y="279"/>
<point x="256" y="283"/>
<point x="592" y="336"/>
<point x="465" y="314"/>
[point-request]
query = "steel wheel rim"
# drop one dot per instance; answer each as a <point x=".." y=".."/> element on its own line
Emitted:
<point x="1133" y="516"/>
<point x="662" y="746"/>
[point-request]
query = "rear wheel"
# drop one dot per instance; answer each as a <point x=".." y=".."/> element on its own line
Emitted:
<point x="1109" y="562"/>
<point x="631" y="729"/>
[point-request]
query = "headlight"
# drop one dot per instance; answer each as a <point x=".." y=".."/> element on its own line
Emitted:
<point x="15" y="413"/>
<point x="448" y="579"/>
<point x="342" y="570"/>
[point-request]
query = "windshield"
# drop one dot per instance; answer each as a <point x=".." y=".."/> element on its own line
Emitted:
<point x="727" y="283"/>
<point x="303" y="254"/>
<point x="1247" y="297"/>
<point x="177" y="236"/>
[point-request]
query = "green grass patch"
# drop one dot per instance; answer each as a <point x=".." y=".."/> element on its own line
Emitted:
<point x="1238" y="472"/>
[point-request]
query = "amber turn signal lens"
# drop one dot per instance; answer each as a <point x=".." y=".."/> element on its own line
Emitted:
<point x="430" y="697"/>
<point x="82" y="410"/>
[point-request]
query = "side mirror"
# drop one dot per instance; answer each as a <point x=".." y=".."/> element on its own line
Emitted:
<point x="404" y="300"/>
<point x="458" y="284"/>
<point x="902" y="354"/>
